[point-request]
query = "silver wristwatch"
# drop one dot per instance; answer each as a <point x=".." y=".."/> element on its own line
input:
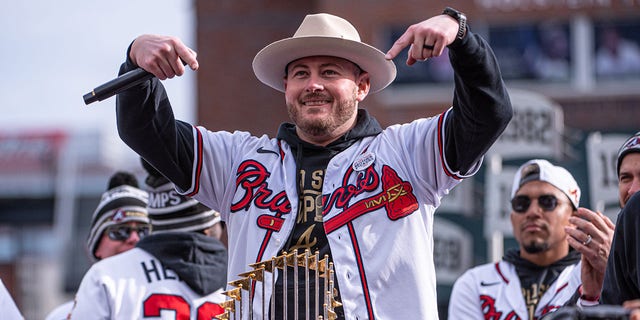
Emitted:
<point x="460" y="17"/>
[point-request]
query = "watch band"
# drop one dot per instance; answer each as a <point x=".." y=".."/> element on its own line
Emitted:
<point x="460" y="17"/>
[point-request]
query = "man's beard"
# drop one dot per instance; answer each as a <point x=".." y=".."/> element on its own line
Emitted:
<point x="536" y="247"/>
<point x="323" y="127"/>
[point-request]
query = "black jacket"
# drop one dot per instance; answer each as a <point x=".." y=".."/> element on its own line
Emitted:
<point x="622" y="277"/>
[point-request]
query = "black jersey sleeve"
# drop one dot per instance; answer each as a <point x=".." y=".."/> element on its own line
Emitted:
<point x="147" y="125"/>
<point x="481" y="105"/>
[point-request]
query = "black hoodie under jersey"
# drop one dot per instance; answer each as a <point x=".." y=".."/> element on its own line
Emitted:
<point x="199" y="260"/>
<point x="311" y="164"/>
<point x="536" y="279"/>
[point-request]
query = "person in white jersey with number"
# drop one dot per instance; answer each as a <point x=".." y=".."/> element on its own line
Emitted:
<point x="179" y="270"/>
<point x="117" y="224"/>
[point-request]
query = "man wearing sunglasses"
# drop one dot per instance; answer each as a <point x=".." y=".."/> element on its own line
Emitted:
<point x="122" y="209"/>
<point x="118" y="223"/>
<point x="561" y="256"/>
<point x="179" y="271"/>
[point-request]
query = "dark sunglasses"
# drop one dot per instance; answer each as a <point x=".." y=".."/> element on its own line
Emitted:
<point x="521" y="203"/>
<point x="122" y="233"/>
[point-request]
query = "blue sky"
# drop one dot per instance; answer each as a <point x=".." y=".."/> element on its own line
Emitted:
<point x="56" y="51"/>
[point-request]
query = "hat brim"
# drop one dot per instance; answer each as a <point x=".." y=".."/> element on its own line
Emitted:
<point x="270" y="63"/>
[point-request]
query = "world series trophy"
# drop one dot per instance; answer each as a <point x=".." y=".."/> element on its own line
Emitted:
<point x="308" y="264"/>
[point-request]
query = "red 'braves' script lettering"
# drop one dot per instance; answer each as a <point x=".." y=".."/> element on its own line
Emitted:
<point x="489" y="310"/>
<point x="366" y="181"/>
<point x="252" y="177"/>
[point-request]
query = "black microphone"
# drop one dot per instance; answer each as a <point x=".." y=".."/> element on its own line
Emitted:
<point x="117" y="85"/>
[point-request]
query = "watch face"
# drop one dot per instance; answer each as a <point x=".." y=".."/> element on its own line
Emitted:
<point x="452" y="12"/>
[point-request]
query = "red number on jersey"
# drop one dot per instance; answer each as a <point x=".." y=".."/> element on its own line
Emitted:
<point x="155" y="303"/>
<point x="208" y="310"/>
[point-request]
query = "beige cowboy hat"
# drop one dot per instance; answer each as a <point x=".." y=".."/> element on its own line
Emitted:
<point x="323" y="35"/>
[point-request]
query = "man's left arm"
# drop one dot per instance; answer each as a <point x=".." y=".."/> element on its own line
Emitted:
<point x="481" y="105"/>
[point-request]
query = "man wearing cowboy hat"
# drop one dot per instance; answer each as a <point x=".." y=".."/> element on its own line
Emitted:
<point x="332" y="181"/>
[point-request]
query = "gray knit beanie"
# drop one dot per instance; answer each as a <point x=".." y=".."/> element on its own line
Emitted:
<point x="121" y="203"/>
<point x="632" y="144"/>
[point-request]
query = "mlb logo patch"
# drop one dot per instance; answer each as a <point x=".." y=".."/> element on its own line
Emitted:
<point x="119" y="215"/>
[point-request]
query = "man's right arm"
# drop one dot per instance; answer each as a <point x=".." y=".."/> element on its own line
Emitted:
<point x="144" y="116"/>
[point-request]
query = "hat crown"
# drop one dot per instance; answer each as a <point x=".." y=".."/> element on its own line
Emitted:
<point x="326" y="25"/>
<point x="543" y="170"/>
<point x="322" y="34"/>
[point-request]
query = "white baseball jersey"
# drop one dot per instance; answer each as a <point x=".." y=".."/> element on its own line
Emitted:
<point x="379" y="197"/>
<point x="61" y="312"/>
<point x="493" y="291"/>
<point x="135" y="285"/>
<point x="7" y="305"/>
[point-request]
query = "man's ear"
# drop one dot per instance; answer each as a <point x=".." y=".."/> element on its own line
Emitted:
<point x="364" y="84"/>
